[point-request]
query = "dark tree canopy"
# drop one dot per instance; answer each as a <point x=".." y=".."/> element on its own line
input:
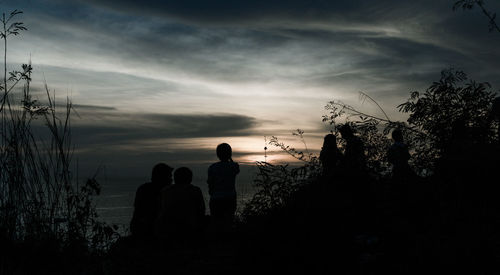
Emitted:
<point x="450" y="104"/>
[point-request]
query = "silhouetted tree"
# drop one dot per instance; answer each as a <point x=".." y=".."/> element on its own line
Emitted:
<point x="434" y="112"/>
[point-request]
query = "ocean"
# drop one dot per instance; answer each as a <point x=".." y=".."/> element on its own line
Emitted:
<point x="115" y="204"/>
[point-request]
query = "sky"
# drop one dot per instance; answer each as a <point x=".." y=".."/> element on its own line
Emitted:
<point x="166" y="81"/>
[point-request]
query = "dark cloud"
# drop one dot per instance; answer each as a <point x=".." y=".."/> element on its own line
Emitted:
<point x="90" y="107"/>
<point x="224" y="11"/>
<point x="118" y="128"/>
<point x="220" y="10"/>
<point x="130" y="144"/>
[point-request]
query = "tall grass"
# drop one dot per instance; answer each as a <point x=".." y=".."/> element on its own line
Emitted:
<point x="40" y="193"/>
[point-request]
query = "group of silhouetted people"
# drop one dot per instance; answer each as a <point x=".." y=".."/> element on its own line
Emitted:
<point x="416" y="222"/>
<point x="333" y="161"/>
<point x="353" y="160"/>
<point x="446" y="219"/>
<point x="350" y="166"/>
<point x="163" y="209"/>
<point x="169" y="212"/>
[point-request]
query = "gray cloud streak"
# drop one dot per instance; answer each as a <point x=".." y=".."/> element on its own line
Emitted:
<point x="294" y="41"/>
<point x="118" y="128"/>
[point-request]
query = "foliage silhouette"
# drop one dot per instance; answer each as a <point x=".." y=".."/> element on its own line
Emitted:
<point x="388" y="225"/>
<point x="275" y="183"/>
<point x="41" y="198"/>
<point x="444" y="103"/>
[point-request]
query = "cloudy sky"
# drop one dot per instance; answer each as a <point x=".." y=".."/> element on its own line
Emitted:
<point x="169" y="80"/>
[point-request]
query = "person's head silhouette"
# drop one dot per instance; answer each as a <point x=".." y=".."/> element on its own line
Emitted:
<point x="161" y="173"/>
<point x="346" y="131"/>
<point x="224" y="152"/>
<point x="330" y="141"/>
<point x="397" y="135"/>
<point x="183" y="175"/>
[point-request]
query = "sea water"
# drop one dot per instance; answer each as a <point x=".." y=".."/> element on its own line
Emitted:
<point x="115" y="204"/>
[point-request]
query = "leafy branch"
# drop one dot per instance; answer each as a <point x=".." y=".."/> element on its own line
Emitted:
<point x="13" y="29"/>
<point x="364" y="96"/>
<point x="299" y="155"/>
<point x="469" y="5"/>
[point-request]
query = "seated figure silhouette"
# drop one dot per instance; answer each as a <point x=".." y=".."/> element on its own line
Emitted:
<point x="147" y="201"/>
<point x="398" y="156"/>
<point x="330" y="156"/>
<point x="221" y="187"/>
<point x="182" y="209"/>
<point x="354" y="155"/>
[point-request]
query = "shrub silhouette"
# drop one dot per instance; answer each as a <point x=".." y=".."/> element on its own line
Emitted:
<point x="294" y="204"/>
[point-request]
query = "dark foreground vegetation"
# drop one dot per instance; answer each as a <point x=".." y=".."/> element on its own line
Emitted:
<point x="358" y="216"/>
<point x="48" y="223"/>
<point x="362" y="215"/>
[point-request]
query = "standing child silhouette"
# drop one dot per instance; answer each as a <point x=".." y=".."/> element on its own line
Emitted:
<point x="221" y="187"/>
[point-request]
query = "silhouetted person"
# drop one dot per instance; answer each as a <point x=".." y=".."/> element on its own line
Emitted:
<point x="147" y="202"/>
<point x="398" y="156"/>
<point x="330" y="155"/>
<point x="182" y="209"/>
<point x="221" y="187"/>
<point x="401" y="222"/>
<point x="357" y="181"/>
<point x="354" y="154"/>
